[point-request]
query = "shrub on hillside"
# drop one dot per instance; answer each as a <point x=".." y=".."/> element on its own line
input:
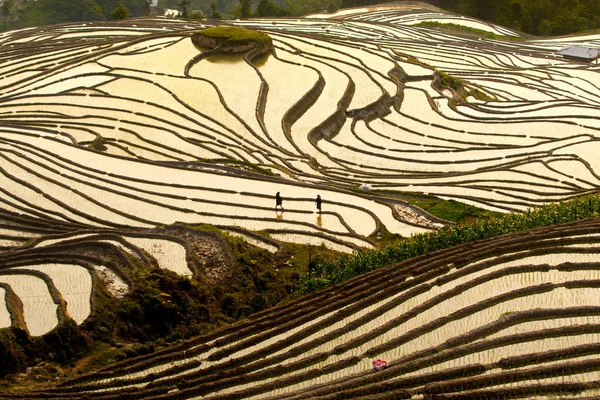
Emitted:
<point x="12" y="357"/>
<point x="120" y="12"/>
<point x="266" y="8"/>
<point x="162" y="307"/>
<point x="160" y="303"/>
<point x="63" y="345"/>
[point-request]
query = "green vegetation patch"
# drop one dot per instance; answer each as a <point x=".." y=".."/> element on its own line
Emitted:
<point x="449" y="210"/>
<point x="243" y="165"/>
<point x="230" y="38"/>
<point x="451" y="81"/>
<point x="461" y="29"/>
<point x="235" y="34"/>
<point x="332" y="272"/>
<point x="460" y="90"/>
<point x="415" y="60"/>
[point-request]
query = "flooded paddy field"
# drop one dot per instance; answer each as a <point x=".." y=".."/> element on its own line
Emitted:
<point x="163" y="113"/>
<point x="112" y="132"/>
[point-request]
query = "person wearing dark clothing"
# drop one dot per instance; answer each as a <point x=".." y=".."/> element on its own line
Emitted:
<point x="318" y="202"/>
<point x="278" y="201"/>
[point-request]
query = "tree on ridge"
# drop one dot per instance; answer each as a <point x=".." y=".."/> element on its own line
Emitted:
<point x="120" y="12"/>
<point x="244" y="8"/>
<point x="215" y="14"/>
<point x="185" y="5"/>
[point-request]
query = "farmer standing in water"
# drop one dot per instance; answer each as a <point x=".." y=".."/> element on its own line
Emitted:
<point x="278" y="201"/>
<point x="318" y="202"/>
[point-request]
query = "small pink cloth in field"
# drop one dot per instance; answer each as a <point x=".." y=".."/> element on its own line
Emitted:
<point x="379" y="364"/>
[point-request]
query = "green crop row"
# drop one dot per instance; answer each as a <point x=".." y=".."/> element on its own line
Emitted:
<point x="462" y="28"/>
<point x="331" y="272"/>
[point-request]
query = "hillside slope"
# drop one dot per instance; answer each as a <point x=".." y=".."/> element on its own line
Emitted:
<point x="514" y="316"/>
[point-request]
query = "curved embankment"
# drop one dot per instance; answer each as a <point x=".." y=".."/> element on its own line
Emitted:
<point x="509" y="317"/>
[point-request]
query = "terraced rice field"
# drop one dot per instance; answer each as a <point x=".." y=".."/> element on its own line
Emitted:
<point x="344" y="101"/>
<point x="510" y="317"/>
<point x="110" y="131"/>
<point x="59" y="272"/>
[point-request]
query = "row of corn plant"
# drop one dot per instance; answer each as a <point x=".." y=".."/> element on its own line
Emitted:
<point x="331" y="272"/>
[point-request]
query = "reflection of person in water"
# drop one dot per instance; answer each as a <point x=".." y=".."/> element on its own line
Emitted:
<point x="319" y="221"/>
<point x="318" y="202"/>
<point x="278" y="201"/>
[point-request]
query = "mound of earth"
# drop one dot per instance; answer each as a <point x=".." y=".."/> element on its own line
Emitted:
<point x="230" y="39"/>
